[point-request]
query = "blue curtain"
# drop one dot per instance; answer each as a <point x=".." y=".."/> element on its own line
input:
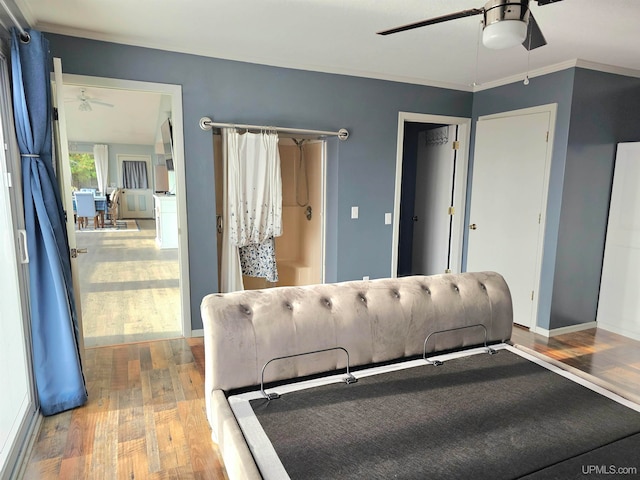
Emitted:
<point x="54" y="324"/>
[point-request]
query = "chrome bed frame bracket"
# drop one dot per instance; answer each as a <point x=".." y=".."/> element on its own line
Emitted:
<point x="437" y="363"/>
<point x="348" y="379"/>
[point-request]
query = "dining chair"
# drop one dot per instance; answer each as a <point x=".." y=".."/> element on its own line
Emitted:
<point x="114" y="205"/>
<point x="85" y="209"/>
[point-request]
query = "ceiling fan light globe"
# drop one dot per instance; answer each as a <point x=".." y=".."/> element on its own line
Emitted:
<point x="504" y="34"/>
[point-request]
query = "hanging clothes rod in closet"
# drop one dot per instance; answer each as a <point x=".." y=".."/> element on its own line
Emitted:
<point x="24" y="36"/>
<point x="207" y="123"/>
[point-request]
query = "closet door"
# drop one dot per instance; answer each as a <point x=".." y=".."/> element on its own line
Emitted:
<point x="619" y="302"/>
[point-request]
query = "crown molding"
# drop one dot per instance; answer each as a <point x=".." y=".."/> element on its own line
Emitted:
<point x="519" y="77"/>
<point x="601" y="67"/>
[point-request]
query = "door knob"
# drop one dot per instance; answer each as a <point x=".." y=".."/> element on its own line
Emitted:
<point x="473" y="226"/>
<point x="414" y="218"/>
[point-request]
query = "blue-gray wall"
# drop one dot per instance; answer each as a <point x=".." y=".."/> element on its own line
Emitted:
<point x="553" y="88"/>
<point x="362" y="175"/>
<point x="605" y="110"/>
<point x="595" y="111"/>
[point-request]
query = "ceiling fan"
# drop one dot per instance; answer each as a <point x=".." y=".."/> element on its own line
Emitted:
<point x="86" y="102"/>
<point x="506" y="23"/>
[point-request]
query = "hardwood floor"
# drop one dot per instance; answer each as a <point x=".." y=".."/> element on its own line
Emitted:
<point x="129" y="288"/>
<point x="605" y="355"/>
<point x="145" y="419"/>
<point x="146" y="414"/>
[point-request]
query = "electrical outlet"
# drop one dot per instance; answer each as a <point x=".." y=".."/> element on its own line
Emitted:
<point x="366" y="277"/>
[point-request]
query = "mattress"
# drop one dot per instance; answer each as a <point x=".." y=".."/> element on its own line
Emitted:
<point x="509" y="415"/>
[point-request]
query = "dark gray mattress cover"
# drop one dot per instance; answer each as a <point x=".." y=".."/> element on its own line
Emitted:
<point x="480" y="416"/>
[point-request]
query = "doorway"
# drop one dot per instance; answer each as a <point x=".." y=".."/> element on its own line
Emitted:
<point x="431" y="177"/>
<point x="509" y="188"/>
<point x="300" y="249"/>
<point x="126" y="260"/>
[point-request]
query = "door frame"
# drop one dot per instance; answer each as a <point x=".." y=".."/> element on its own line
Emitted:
<point x="461" y="186"/>
<point x="175" y="92"/>
<point x="552" y="109"/>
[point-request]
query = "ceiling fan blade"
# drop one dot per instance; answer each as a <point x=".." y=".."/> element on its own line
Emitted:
<point x="534" y="38"/>
<point x="98" y="102"/>
<point x="432" y="21"/>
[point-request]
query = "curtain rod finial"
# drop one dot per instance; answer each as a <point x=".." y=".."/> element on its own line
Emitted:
<point x="205" y="123"/>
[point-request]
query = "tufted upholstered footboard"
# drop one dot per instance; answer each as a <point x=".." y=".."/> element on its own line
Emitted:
<point x="375" y="321"/>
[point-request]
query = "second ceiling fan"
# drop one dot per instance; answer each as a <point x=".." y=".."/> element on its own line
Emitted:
<point x="506" y="23"/>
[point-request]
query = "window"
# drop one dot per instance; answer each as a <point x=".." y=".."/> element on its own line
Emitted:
<point x="83" y="171"/>
<point x="134" y="174"/>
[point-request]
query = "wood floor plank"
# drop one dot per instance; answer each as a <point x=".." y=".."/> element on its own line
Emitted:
<point x="132" y="459"/>
<point x="151" y="440"/>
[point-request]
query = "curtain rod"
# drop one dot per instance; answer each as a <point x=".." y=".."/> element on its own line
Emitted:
<point x="24" y="36"/>
<point x="207" y="124"/>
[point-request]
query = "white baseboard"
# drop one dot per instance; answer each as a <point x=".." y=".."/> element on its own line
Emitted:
<point x="197" y="333"/>
<point x="562" y="330"/>
<point x="620" y="331"/>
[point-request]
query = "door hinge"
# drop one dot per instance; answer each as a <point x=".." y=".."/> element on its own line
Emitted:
<point x="531" y="295"/>
<point x="539" y="218"/>
<point x="447" y="270"/>
<point x="55" y="113"/>
<point x="451" y="210"/>
<point x="547" y="136"/>
<point x="456" y="145"/>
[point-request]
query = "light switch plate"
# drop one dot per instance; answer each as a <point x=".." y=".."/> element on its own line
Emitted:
<point x="354" y="212"/>
<point x="387" y="218"/>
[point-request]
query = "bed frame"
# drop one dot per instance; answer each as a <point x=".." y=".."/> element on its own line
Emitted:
<point x="255" y="338"/>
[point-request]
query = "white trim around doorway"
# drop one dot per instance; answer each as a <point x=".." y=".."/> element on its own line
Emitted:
<point x="461" y="186"/>
<point x="175" y="92"/>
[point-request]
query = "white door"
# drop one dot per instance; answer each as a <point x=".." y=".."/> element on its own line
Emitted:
<point x="619" y="302"/>
<point x="432" y="230"/>
<point x="64" y="179"/>
<point x="508" y="199"/>
<point x="137" y="201"/>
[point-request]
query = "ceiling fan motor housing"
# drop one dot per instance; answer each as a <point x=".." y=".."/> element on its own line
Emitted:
<point x="510" y="14"/>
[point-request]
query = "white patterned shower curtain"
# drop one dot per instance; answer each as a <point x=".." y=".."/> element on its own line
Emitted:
<point x="252" y="209"/>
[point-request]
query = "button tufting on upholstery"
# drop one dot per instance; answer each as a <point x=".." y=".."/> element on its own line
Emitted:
<point x="245" y="309"/>
<point x="395" y="293"/>
<point x="455" y="288"/>
<point x="362" y="298"/>
<point x="288" y="306"/>
<point x="426" y="289"/>
<point x="482" y="286"/>
<point x="326" y="302"/>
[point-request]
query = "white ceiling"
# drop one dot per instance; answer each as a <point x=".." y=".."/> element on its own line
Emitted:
<point x="339" y="36"/>
<point x="133" y="119"/>
<point x="336" y="36"/>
